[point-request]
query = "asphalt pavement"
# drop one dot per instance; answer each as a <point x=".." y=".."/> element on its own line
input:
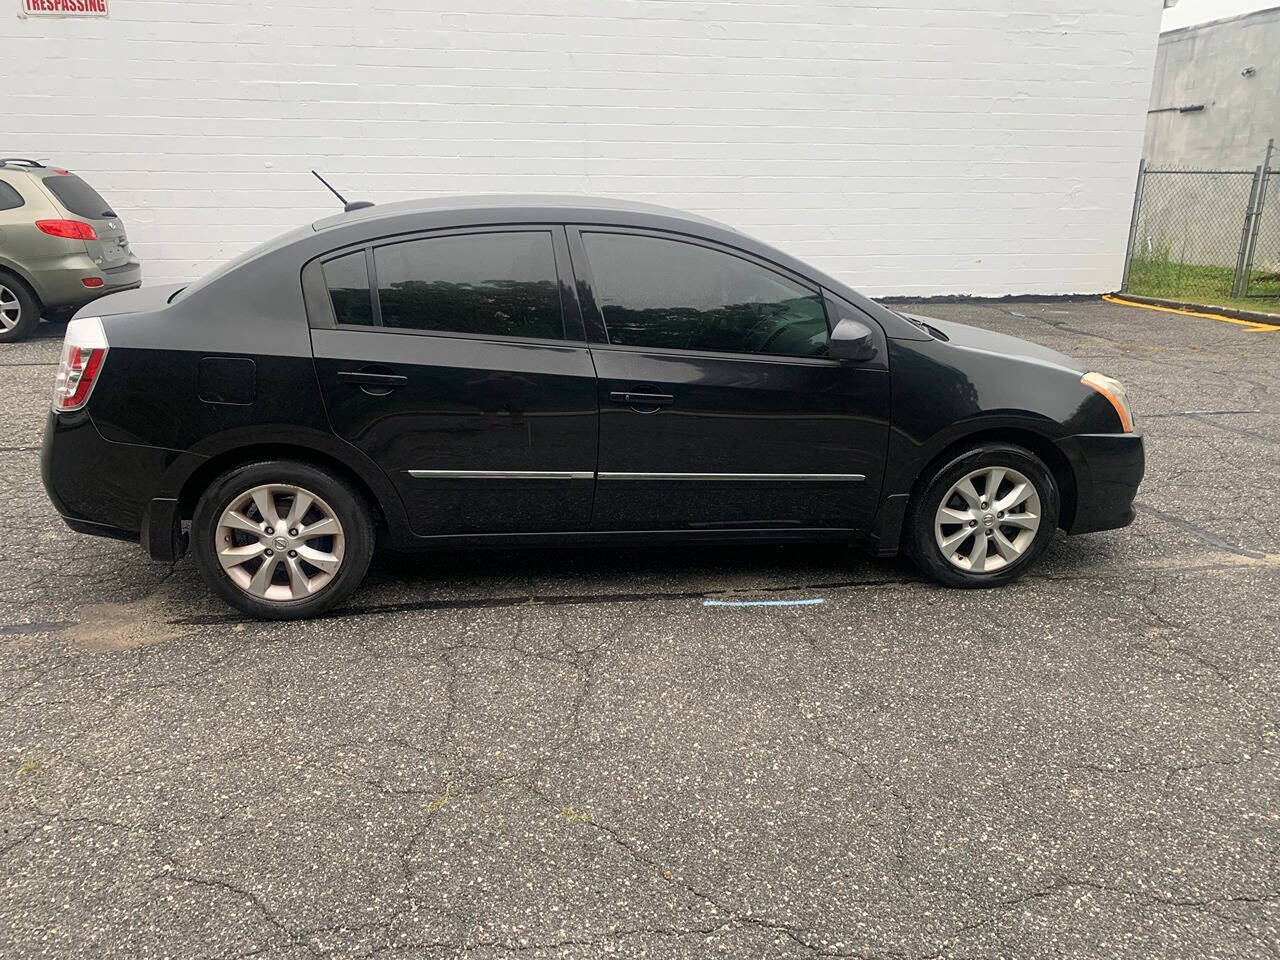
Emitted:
<point x="605" y="752"/>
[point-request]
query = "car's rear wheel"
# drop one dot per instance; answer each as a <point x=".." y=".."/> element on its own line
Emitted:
<point x="282" y="540"/>
<point x="19" y="309"/>
<point x="984" y="517"/>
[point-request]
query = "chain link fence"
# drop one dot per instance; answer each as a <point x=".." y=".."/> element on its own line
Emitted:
<point x="1206" y="237"/>
<point x="1264" y="271"/>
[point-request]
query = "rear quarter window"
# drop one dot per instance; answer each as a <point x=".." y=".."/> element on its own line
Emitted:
<point x="10" y="198"/>
<point x="348" y="281"/>
<point x="77" y="196"/>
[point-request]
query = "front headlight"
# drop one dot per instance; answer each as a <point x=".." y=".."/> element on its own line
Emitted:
<point x="1113" y="390"/>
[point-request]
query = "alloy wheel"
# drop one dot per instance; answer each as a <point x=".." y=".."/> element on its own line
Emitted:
<point x="279" y="541"/>
<point x="10" y="308"/>
<point x="987" y="520"/>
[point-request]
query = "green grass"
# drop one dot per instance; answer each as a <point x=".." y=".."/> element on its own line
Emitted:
<point x="1157" y="275"/>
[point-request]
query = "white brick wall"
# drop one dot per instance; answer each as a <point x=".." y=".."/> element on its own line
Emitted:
<point x="907" y="146"/>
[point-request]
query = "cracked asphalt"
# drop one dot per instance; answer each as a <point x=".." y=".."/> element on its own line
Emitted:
<point x="567" y="754"/>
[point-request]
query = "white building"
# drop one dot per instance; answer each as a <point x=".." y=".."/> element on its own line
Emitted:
<point x="908" y="146"/>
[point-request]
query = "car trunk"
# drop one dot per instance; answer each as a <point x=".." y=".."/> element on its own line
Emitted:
<point x="111" y="248"/>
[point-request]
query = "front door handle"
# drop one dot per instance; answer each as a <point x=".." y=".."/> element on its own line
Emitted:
<point x="633" y="398"/>
<point x="375" y="381"/>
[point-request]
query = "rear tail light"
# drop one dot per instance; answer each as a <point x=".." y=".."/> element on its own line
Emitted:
<point x="69" y="229"/>
<point x="83" y="353"/>
<point x="92" y="281"/>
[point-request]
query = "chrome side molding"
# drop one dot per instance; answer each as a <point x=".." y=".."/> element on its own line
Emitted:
<point x="591" y="475"/>
<point x="503" y="474"/>
<point x="758" y="477"/>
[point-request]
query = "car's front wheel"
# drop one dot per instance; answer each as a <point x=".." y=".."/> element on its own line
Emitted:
<point x="983" y="518"/>
<point x="282" y="540"/>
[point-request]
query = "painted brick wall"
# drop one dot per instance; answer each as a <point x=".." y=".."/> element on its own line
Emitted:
<point x="908" y="146"/>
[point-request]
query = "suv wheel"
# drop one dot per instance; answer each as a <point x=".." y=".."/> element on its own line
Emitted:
<point x="282" y="540"/>
<point x="985" y="517"/>
<point x="19" y="311"/>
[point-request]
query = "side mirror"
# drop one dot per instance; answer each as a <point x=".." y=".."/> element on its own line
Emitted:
<point x="851" y="340"/>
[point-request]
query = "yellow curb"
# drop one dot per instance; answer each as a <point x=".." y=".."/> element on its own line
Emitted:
<point x="1252" y="326"/>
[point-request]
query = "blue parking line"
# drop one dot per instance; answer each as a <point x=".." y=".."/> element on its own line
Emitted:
<point x="763" y="603"/>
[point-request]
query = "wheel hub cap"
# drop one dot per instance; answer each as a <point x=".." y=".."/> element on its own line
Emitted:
<point x="10" y="308"/>
<point x="987" y="520"/>
<point x="279" y="541"/>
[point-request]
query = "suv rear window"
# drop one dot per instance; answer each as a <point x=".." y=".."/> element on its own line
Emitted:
<point x="10" y="199"/>
<point x="77" y="196"/>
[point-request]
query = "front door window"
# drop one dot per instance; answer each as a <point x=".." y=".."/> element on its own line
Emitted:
<point x="655" y="292"/>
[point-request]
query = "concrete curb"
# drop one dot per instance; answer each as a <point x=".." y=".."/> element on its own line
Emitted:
<point x="1257" y="316"/>
<point x="977" y="300"/>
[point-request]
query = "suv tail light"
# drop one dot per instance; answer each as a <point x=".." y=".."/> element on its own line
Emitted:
<point x="70" y="229"/>
<point x="83" y="353"/>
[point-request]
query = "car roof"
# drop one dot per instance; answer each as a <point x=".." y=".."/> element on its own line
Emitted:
<point x="32" y="168"/>
<point x="373" y="223"/>
<point x="540" y="206"/>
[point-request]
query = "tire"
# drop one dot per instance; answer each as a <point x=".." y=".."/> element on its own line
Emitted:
<point x="993" y="553"/>
<point x="295" y="588"/>
<point x="60" y="314"/>
<point x="19" y="309"/>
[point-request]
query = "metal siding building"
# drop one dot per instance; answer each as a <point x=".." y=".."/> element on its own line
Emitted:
<point x="912" y="146"/>
<point x="1215" y="100"/>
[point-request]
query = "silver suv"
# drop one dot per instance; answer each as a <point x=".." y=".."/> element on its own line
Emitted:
<point x="61" y="246"/>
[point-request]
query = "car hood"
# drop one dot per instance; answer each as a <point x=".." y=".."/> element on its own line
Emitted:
<point x="140" y="300"/>
<point x="975" y="338"/>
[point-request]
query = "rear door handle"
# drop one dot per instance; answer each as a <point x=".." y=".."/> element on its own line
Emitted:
<point x="373" y="379"/>
<point x="632" y="399"/>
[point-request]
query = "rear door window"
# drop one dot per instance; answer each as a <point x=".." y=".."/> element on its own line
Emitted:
<point x="10" y="199"/>
<point x="488" y="284"/>
<point x="77" y="196"/>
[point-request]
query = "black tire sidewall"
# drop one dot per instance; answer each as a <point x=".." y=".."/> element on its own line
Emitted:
<point x="30" y="309"/>
<point x="349" y="505"/>
<point x="923" y="547"/>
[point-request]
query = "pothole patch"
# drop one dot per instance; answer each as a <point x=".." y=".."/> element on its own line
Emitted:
<point x="116" y="627"/>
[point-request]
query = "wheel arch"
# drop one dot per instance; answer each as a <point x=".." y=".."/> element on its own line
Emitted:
<point x="896" y="503"/>
<point x="12" y="269"/>
<point x="383" y="502"/>
<point x="1039" y="444"/>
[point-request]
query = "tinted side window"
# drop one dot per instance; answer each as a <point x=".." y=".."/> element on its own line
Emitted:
<point x="348" y="281"/>
<point x="485" y="283"/>
<point x="664" y="293"/>
<point x="10" y="198"/>
<point x="77" y="196"/>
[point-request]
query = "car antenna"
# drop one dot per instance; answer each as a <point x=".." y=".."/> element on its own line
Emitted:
<point x="347" y="207"/>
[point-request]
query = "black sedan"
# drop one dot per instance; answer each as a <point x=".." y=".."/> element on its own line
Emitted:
<point x="531" y="370"/>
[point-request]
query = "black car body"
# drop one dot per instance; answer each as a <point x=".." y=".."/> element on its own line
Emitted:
<point x="501" y="370"/>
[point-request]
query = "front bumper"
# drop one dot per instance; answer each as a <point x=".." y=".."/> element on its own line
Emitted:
<point x="1108" y="468"/>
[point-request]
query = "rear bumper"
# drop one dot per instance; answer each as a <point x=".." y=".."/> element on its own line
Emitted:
<point x="109" y="489"/>
<point x="1108" y="468"/>
<point x="61" y="283"/>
